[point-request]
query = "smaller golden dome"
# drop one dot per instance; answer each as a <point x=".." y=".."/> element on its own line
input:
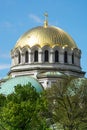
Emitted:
<point x="46" y="35"/>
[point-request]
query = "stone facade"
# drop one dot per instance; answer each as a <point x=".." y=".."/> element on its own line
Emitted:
<point x="46" y="53"/>
<point x="35" y="60"/>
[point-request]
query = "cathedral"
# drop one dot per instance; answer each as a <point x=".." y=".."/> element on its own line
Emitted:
<point x="42" y="56"/>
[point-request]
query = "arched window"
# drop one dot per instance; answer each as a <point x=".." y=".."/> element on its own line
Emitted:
<point x="72" y="58"/>
<point x="56" y="56"/>
<point x="19" y="57"/>
<point x="26" y="57"/>
<point x="65" y="57"/>
<point x="46" y="56"/>
<point x="36" y="56"/>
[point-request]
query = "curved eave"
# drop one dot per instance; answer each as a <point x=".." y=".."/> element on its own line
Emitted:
<point x="51" y="45"/>
<point x="41" y="47"/>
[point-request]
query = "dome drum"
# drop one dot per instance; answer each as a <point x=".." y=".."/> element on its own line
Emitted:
<point x="46" y="55"/>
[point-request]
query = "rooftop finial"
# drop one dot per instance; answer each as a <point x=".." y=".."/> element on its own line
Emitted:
<point x="46" y="21"/>
<point x="46" y="15"/>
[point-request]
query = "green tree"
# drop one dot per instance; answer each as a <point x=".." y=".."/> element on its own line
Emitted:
<point x="68" y="102"/>
<point x="2" y="103"/>
<point x="25" y="109"/>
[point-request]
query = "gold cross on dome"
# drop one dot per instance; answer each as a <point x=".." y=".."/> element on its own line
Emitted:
<point x="46" y="16"/>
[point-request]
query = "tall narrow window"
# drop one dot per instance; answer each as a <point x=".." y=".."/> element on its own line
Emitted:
<point x="26" y="57"/>
<point x="19" y="57"/>
<point x="72" y="58"/>
<point x="65" y="57"/>
<point x="46" y="56"/>
<point x="56" y="56"/>
<point x="36" y="56"/>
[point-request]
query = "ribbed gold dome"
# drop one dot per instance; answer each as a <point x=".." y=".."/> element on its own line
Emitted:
<point x="48" y="35"/>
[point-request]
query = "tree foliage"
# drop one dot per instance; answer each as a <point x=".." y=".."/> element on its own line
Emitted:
<point x="2" y="104"/>
<point x="62" y="105"/>
<point x="24" y="109"/>
<point x="68" y="104"/>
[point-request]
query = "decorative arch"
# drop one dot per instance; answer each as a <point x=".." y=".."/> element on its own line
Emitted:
<point x="36" y="47"/>
<point x="46" y="47"/>
<point x="25" y="52"/>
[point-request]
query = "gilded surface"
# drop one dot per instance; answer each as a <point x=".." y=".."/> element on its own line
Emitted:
<point x="42" y="36"/>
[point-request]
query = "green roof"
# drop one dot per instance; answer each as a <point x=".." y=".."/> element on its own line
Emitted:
<point x="8" y="87"/>
<point x="52" y="74"/>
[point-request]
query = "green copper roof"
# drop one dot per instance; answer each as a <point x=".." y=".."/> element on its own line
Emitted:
<point x="51" y="74"/>
<point x="8" y="87"/>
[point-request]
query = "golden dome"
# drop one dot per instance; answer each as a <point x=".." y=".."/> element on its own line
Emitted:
<point x="46" y="35"/>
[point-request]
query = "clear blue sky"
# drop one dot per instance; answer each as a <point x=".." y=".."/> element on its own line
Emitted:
<point x="18" y="16"/>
